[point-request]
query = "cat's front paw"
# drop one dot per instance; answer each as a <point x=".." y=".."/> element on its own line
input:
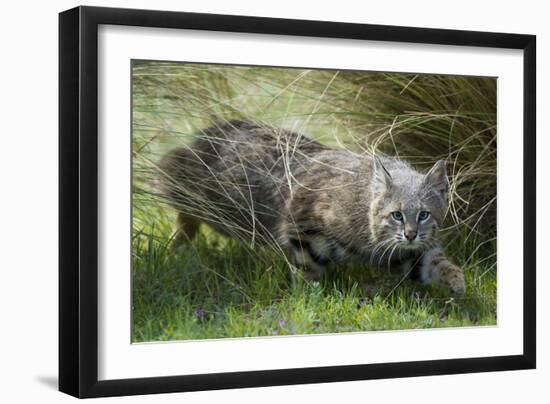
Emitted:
<point x="457" y="286"/>
<point x="453" y="278"/>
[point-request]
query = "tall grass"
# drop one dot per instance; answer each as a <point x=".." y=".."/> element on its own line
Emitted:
<point x="421" y="118"/>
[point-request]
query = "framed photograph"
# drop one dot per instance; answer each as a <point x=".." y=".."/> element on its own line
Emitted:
<point x="251" y="201"/>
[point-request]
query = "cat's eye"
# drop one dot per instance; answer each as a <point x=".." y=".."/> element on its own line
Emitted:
<point x="423" y="215"/>
<point x="397" y="216"/>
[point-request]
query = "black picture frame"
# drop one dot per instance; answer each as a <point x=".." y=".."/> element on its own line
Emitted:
<point x="78" y="200"/>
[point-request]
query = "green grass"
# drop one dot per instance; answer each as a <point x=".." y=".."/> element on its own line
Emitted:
<point x="217" y="288"/>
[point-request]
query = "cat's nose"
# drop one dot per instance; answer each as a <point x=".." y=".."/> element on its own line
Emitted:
<point x="410" y="235"/>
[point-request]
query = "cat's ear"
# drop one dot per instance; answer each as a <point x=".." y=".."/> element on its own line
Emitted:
<point x="437" y="179"/>
<point x="382" y="178"/>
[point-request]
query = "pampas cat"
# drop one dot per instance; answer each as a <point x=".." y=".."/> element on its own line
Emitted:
<point x="268" y="185"/>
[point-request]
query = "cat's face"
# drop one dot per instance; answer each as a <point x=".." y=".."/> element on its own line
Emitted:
<point x="407" y="207"/>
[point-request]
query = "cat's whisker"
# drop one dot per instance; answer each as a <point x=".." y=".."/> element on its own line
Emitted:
<point x="381" y="244"/>
<point x="378" y="248"/>
<point x="389" y="258"/>
<point x="384" y="253"/>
